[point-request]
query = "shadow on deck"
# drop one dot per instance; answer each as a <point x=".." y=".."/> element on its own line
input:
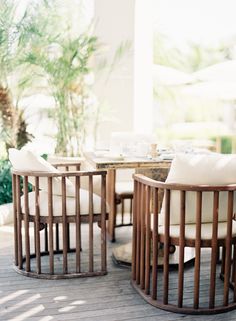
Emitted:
<point x="106" y="298"/>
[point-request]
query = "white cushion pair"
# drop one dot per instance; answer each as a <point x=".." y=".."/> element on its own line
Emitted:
<point x="24" y="160"/>
<point x="211" y="169"/>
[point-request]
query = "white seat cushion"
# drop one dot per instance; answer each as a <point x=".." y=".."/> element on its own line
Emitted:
<point x="24" y="160"/>
<point x="57" y="204"/>
<point x="206" y="230"/>
<point x="124" y="187"/>
<point x="6" y="214"/>
<point x="210" y="169"/>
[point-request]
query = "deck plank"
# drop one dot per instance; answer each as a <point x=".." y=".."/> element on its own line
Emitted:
<point x="107" y="298"/>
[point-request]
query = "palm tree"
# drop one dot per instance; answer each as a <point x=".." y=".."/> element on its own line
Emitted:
<point x="12" y="124"/>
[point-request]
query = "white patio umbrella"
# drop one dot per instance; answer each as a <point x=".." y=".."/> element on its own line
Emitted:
<point x="224" y="71"/>
<point x="168" y="76"/>
<point x="225" y="91"/>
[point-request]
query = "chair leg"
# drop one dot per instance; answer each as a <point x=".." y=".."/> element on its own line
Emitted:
<point x="122" y="211"/>
<point x="57" y="237"/>
<point x="131" y="212"/>
<point x="46" y="238"/>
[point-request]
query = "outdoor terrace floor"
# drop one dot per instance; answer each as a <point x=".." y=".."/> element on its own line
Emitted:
<point x="106" y="298"/>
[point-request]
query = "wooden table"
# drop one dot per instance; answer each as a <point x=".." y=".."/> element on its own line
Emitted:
<point x="145" y="166"/>
<point x="156" y="169"/>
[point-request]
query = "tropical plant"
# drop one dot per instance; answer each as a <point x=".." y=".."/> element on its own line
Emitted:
<point x="66" y="69"/>
<point x="42" y="51"/>
<point x="13" y="127"/>
<point x="63" y="59"/>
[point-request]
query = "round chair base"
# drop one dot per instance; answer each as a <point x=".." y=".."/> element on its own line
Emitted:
<point x="54" y="276"/>
<point x="48" y="276"/>
<point x="183" y="310"/>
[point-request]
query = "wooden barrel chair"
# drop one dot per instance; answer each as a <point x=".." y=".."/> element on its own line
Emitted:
<point x="49" y="240"/>
<point x="192" y="216"/>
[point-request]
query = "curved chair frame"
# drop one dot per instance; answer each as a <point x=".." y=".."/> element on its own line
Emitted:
<point x="27" y="248"/>
<point x="145" y="247"/>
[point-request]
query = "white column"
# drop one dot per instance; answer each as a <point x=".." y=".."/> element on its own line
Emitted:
<point x="115" y="25"/>
<point x="143" y="65"/>
<point x="127" y="96"/>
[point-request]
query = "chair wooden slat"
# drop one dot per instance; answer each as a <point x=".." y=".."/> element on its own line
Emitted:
<point x="234" y="271"/>
<point x="14" y="192"/>
<point x="155" y="243"/>
<point x="197" y="249"/>
<point x="214" y="250"/>
<point x="50" y="224"/>
<point x="142" y="241"/>
<point x="228" y="246"/>
<point x="147" y="241"/>
<point x="64" y="226"/>
<point x="134" y="235"/>
<point x="181" y="249"/>
<point x="26" y="211"/>
<point x="78" y="224"/>
<point x="37" y="226"/>
<point x="139" y="201"/>
<point x="166" y="247"/>
<point x="19" y="224"/>
<point x="103" y="224"/>
<point x="91" y="263"/>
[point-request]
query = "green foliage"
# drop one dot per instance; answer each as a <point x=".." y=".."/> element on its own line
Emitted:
<point x="226" y="144"/>
<point x="5" y="182"/>
<point x="13" y="127"/>
<point x="42" y="50"/>
<point x="63" y="59"/>
<point x="190" y="57"/>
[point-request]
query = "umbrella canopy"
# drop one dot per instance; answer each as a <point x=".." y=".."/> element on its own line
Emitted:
<point x="168" y="76"/>
<point x="224" y="71"/>
<point x="212" y="90"/>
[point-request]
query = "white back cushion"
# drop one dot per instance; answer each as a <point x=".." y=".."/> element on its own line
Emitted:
<point x="57" y="204"/>
<point x="210" y="169"/>
<point x="24" y="160"/>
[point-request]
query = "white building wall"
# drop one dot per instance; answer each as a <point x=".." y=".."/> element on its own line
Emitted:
<point x="127" y="94"/>
<point x="143" y="67"/>
<point x="115" y="25"/>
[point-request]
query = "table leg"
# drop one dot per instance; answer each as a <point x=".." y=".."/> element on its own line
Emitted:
<point x="111" y="179"/>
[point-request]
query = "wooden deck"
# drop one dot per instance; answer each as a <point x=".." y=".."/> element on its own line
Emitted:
<point x="107" y="298"/>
